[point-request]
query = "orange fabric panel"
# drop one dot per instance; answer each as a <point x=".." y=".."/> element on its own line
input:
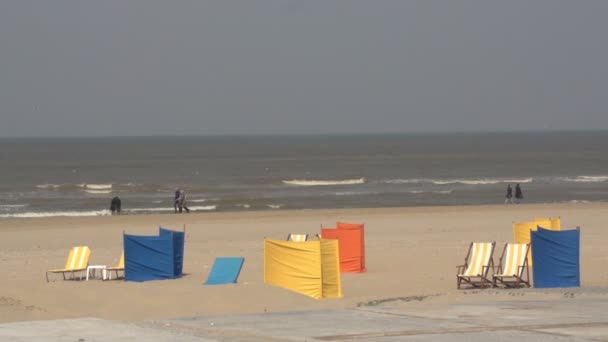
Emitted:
<point x="352" y="257"/>
<point x="361" y="227"/>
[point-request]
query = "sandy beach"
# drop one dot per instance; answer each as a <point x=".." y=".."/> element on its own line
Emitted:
<point x="410" y="251"/>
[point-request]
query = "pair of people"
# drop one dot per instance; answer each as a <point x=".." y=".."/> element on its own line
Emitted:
<point x="179" y="201"/>
<point x="519" y="195"/>
<point x="115" y="205"/>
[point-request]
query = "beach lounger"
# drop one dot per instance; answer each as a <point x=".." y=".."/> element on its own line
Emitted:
<point x="78" y="260"/>
<point x="297" y="237"/>
<point x="477" y="264"/>
<point x="118" y="268"/>
<point x="515" y="272"/>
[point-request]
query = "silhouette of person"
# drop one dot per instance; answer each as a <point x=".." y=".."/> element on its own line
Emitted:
<point x="115" y="205"/>
<point x="509" y="195"/>
<point x="519" y="195"/>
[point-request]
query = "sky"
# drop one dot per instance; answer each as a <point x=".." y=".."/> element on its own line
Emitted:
<point x="157" y="67"/>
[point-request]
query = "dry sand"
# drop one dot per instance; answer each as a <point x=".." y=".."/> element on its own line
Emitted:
<point x="410" y="252"/>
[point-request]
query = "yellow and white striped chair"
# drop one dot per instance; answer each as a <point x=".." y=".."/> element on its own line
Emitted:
<point x="515" y="271"/>
<point x="118" y="268"/>
<point x="297" y="237"/>
<point x="477" y="264"/>
<point x="78" y="261"/>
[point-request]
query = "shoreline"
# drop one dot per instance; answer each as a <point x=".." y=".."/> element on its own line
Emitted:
<point x="410" y="251"/>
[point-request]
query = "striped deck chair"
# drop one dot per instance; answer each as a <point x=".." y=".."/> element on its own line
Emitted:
<point x="476" y="265"/>
<point x="515" y="256"/>
<point x="118" y="268"/>
<point x="297" y="237"/>
<point x="78" y="261"/>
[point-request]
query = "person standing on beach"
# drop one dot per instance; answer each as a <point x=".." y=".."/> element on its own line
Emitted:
<point x="182" y="201"/>
<point x="509" y="196"/>
<point x="519" y="195"/>
<point x="115" y="205"/>
<point x="176" y="201"/>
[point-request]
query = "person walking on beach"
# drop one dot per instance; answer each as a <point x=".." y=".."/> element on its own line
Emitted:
<point x="182" y="201"/>
<point x="509" y="196"/>
<point x="519" y="195"/>
<point x="176" y="201"/>
<point x="115" y="205"/>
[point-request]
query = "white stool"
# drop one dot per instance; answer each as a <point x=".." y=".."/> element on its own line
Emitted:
<point x="91" y="271"/>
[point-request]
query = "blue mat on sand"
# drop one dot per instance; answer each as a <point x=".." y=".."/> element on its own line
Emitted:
<point x="225" y="271"/>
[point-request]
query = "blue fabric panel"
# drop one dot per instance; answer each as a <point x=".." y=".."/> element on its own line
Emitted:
<point x="556" y="258"/>
<point x="148" y="257"/>
<point x="178" y="248"/>
<point x="225" y="271"/>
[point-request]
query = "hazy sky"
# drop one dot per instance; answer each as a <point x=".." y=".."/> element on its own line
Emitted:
<point x="148" y="67"/>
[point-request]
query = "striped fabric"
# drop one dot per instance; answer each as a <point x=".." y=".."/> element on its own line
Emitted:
<point x="298" y="237"/>
<point x="121" y="264"/>
<point x="78" y="258"/>
<point x="515" y="256"/>
<point x="481" y="252"/>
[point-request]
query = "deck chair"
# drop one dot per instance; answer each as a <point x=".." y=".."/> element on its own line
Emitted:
<point x="476" y="265"/>
<point x="78" y="261"/>
<point x="118" y="268"/>
<point x="515" y="256"/>
<point x="297" y="237"/>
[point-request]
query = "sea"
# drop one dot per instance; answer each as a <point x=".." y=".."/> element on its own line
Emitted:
<point x="47" y="177"/>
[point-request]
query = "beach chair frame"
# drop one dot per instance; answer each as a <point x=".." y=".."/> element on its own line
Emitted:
<point x="118" y="268"/>
<point x="522" y="278"/>
<point x="481" y="280"/>
<point x="290" y="237"/>
<point x="72" y="271"/>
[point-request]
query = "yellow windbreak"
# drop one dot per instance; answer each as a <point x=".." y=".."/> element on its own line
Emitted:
<point x="294" y="265"/>
<point x="330" y="268"/>
<point x="309" y="268"/>
<point x="521" y="230"/>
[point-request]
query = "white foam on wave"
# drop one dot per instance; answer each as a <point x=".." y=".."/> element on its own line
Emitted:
<point x="243" y="205"/>
<point x="303" y="182"/>
<point x="478" y="181"/>
<point x="13" y="205"/>
<point x="440" y="192"/>
<point x="274" y="206"/>
<point x="206" y="207"/>
<point x="587" y="179"/>
<point x="98" y="192"/>
<point x="98" y="186"/>
<point x="57" y="214"/>
<point x="48" y="186"/>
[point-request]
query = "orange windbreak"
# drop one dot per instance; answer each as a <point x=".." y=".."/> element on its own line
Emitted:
<point x="351" y="245"/>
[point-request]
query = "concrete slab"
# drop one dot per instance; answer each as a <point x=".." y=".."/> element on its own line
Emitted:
<point x="87" y="330"/>
<point x="567" y="319"/>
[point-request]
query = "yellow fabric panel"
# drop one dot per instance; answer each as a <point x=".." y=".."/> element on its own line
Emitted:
<point x="78" y="258"/>
<point x="481" y="252"/>
<point x="549" y="223"/>
<point x="514" y="258"/>
<point x="294" y="265"/>
<point x="330" y="268"/>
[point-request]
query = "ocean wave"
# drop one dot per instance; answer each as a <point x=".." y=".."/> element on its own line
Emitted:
<point x="477" y="181"/>
<point x="206" y="207"/>
<point x="98" y="192"/>
<point x="303" y="182"/>
<point x="440" y="192"/>
<point x="243" y="205"/>
<point x="13" y="205"/>
<point x="57" y="214"/>
<point x="48" y="186"/>
<point x="586" y="179"/>
<point x="354" y="193"/>
<point x="98" y="186"/>
<point x="274" y="206"/>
